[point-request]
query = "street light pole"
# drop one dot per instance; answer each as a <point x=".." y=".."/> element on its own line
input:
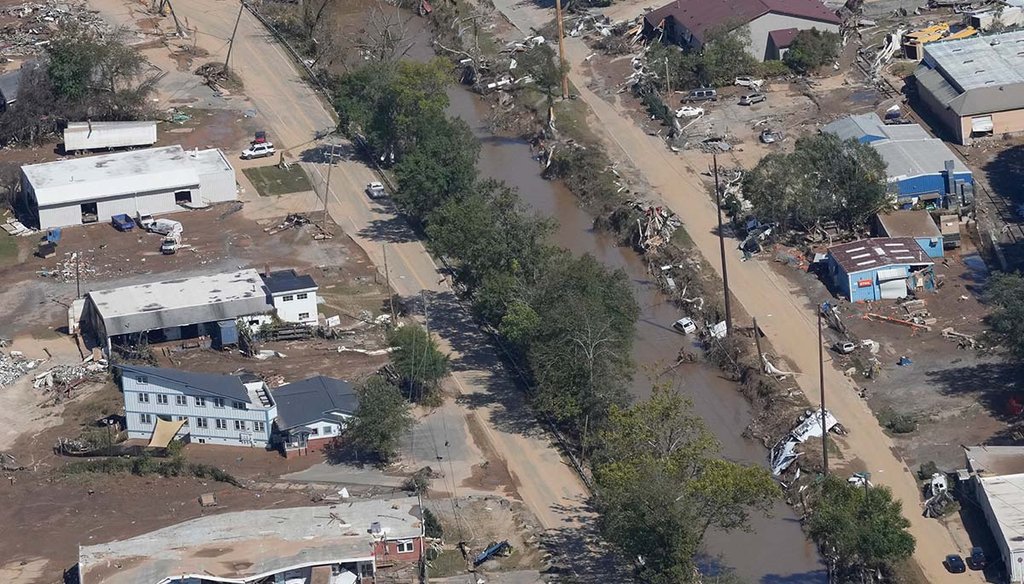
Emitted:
<point x="327" y="189"/>
<point x="721" y="245"/>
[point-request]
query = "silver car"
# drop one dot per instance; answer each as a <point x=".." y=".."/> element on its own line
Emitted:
<point x="752" y="98"/>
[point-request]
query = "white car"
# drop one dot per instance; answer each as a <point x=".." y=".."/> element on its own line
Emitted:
<point x="375" y="190"/>
<point x="685" y="326"/>
<point x="258" y="150"/>
<point x="688" y="111"/>
<point x="748" y="81"/>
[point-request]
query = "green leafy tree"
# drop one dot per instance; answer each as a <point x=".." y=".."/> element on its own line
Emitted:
<point x="418" y="360"/>
<point x="489" y="231"/>
<point x="541" y="63"/>
<point x="823" y="179"/>
<point x="441" y="167"/>
<point x="662" y="486"/>
<point x="380" y="422"/>
<point x="385" y="102"/>
<point x="863" y="527"/>
<point x="580" y="351"/>
<point x="725" y="56"/>
<point x="1005" y="293"/>
<point x="811" y="49"/>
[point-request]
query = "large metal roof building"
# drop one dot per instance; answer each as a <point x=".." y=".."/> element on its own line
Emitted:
<point x="975" y="85"/>
<point x="91" y="189"/>
<point x="174" y="309"/>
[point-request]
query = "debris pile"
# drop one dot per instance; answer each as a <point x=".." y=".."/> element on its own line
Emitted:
<point x="292" y="220"/>
<point x="13" y="366"/>
<point x="656" y="226"/>
<point x="34" y="22"/>
<point x="73" y="265"/>
<point x="784" y="453"/>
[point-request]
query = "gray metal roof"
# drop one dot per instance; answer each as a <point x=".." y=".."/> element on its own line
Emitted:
<point x="288" y="281"/>
<point x="979" y="75"/>
<point x="909" y="158"/>
<point x="185" y="301"/>
<point x="229" y="386"/>
<point x="905" y="132"/>
<point x="253" y="544"/>
<point x="878" y="252"/>
<point x="304" y="402"/>
<point x="909" y="224"/>
<point x="856" y="127"/>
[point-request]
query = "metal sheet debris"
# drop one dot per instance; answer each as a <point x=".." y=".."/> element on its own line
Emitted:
<point x="784" y="453"/>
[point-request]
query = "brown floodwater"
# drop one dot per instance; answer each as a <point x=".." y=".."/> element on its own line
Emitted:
<point x="776" y="550"/>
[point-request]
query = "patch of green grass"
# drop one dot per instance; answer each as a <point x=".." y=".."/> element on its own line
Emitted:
<point x="448" y="563"/>
<point x="681" y="238"/>
<point x="146" y="465"/>
<point x="273" y="180"/>
<point x="8" y="249"/>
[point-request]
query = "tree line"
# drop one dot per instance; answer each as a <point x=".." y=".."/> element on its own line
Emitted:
<point x="568" y="321"/>
<point x="82" y="75"/>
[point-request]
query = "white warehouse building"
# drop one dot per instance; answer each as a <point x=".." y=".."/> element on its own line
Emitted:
<point x="92" y="189"/>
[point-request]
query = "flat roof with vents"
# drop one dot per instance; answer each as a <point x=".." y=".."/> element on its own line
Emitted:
<point x="878" y="252"/>
<point x="981" y="61"/>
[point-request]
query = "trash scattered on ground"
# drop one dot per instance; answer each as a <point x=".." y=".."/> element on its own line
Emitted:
<point x="13" y="366"/>
<point x="656" y="226"/>
<point x="35" y="22"/>
<point x="784" y="453"/>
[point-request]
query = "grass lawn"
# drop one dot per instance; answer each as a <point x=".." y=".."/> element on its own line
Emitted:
<point x="8" y="249"/>
<point x="273" y="180"/>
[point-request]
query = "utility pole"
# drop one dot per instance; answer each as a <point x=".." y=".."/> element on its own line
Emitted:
<point x="327" y="190"/>
<point x="387" y="279"/>
<point x="721" y="245"/>
<point x="231" y="43"/>
<point x="561" y="49"/>
<point x="757" y="341"/>
<point x="668" y="82"/>
<point x="821" y="385"/>
<point x="78" y="274"/>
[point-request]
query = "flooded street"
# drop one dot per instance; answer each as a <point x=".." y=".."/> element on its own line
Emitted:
<point x="776" y="551"/>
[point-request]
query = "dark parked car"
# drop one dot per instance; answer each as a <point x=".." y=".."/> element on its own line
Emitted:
<point x="955" y="564"/>
<point x="977" y="559"/>
<point x="701" y="94"/>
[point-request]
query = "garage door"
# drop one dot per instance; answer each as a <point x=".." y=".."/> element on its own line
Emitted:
<point x="981" y="124"/>
<point x="893" y="289"/>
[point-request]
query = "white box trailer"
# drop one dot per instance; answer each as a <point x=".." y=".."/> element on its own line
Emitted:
<point x="106" y="135"/>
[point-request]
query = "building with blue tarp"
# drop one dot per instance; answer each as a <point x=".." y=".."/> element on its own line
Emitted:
<point x="879" y="268"/>
<point x="916" y="224"/>
<point x="919" y="168"/>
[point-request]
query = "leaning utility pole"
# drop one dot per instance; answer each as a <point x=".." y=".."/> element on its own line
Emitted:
<point x="821" y="385"/>
<point x="231" y="42"/>
<point x="721" y="245"/>
<point x="561" y="49"/>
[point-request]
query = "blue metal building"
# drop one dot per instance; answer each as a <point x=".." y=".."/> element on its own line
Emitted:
<point x="916" y="224"/>
<point x="919" y="168"/>
<point x="879" y="268"/>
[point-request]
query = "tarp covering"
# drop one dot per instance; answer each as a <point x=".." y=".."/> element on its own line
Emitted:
<point x="164" y="432"/>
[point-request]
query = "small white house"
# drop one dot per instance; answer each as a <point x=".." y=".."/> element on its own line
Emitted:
<point x="215" y="409"/>
<point x="293" y="296"/>
<point x="93" y="189"/>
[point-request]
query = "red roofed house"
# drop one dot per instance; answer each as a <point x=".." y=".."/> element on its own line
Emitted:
<point x="773" y="23"/>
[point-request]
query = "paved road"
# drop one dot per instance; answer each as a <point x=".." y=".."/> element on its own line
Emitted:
<point x="296" y="117"/>
<point x="783" y="311"/>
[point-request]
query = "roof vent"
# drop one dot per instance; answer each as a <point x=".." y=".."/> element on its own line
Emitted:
<point x="376" y="529"/>
<point x="994" y="42"/>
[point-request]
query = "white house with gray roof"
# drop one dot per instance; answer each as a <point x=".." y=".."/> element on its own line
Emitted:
<point x="216" y="409"/>
<point x="975" y="85"/>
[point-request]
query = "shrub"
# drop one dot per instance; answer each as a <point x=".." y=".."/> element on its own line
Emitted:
<point x="811" y="49"/>
<point x="431" y="526"/>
